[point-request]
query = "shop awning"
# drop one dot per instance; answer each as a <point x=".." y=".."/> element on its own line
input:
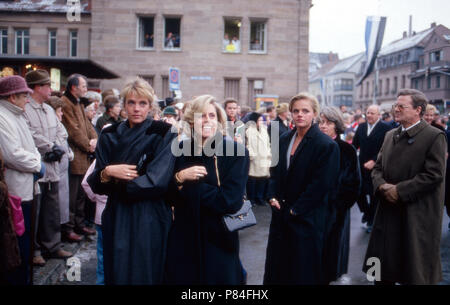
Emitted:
<point x="68" y="66"/>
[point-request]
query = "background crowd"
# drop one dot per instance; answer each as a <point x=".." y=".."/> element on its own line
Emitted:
<point x="50" y="142"/>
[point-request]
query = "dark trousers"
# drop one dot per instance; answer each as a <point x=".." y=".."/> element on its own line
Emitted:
<point x="256" y="189"/>
<point x="76" y="204"/>
<point x="20" y="276"/>
<point x="48" y="226"/>
<point x="366" y="189"/>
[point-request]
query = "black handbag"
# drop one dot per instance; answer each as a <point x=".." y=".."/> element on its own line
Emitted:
<point x="243" y="218"/>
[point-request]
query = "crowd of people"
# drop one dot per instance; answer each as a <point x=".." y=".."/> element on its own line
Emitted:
<point x="156" y="178"/>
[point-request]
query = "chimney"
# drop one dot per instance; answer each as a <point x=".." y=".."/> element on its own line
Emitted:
<point x="405" y="34"/>
<point x="433" y="25"/>
<point x="410" y="26"/>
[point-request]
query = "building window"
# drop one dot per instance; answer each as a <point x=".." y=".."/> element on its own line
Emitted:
<point x="232" y="88"/>
<point x="22" y="42"/>
<point x="172" y="30"/>
<point x="255" y="86"/>
<point x="438" y="81"/>
<point x="405" y="57"/>
<point x="258" y="36"/>
<point x="52" y="43"/>
<point x="394" y="89"/>
<point x="231" y="37"/>
<point x="380" y="87"/>
<point x="146" y="32"/>
<point x="403" y="81"/>
<point x="4" y="41"/>
<point x="165" y="92"/>
<point x="148" y="79"/>
<point x="388" y="84"/>
<point x="73" y="43"/>
<point x="436" y="56"/>
<point x="367" y="89"/>
<point x="429" y="82"/>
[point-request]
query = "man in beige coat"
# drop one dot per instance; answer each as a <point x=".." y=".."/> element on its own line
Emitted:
<point x="47" y="131"/>
<point x="408" y="178"/>
<point x="82" y="140"/>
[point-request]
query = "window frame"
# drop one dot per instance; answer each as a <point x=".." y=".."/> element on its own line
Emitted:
<point x="165" y="17"/>
<point x="138" y="33"/>
<point x="265" y="21"/>
<point x="22" y="41"/>
<point x="50" y="38"/>
<point x="2" y="36"/>
<point x="240" y="20"/>
<point x="71" y="41"/>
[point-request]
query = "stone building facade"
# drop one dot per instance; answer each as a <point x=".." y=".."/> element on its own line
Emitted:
<point x="270" y="57"/>
<point x="402" y="64"/>
<point x="335" y="84"/>
<point x="46" y="35"/>
<point x="433" y="73"/>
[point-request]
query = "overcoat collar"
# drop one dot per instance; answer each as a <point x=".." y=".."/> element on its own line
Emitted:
<point x="410" y="133"/>
<point x="11" y="107"/>
<point x="71" y="98"/>
<point x="308" y="136"/>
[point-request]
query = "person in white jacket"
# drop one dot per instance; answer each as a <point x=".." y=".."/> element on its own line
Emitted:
<point x="258" y="145"/>
<point x="21" y="159"/>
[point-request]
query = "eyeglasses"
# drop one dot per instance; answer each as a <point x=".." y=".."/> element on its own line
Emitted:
<point x="23" y="95"/>
<point x="400" y="106"/>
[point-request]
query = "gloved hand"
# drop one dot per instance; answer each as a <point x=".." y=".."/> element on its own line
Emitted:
<point x="40" y="174"/>
<point x="54" y="155"/>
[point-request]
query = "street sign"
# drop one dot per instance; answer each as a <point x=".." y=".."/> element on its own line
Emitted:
<point x="174" y="79"/>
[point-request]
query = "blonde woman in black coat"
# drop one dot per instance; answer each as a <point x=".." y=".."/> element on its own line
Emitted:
<point x="300" y="191"/>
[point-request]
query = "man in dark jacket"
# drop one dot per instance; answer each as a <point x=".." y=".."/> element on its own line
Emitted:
<point x="408" y="178"/>
<point x="368" y="139"/>
<point x="282" y="117"/>
<point x="82" y="140"/>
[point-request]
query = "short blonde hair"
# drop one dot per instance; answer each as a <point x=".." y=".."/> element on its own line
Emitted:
<point x="282" y="108"/>
<point x="142" y="88"/>
<point x="198" y="105"/>
<point x="430" y="108"/>
<point x="306" y="96"/>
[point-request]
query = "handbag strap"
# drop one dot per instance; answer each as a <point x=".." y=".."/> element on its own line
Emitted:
<point x="217" y="170"/>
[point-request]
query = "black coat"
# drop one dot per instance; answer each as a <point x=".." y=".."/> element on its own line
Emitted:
<point x="281" y="127"/>
<point x="447" y="176"/>
<point x="200" y="250"/>
<point x="369" y="147"/>
<point x="136" y="220"/>
<point x="295" y="247"/>
<point x="337" y="247"/>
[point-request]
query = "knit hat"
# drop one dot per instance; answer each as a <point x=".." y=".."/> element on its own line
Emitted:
<point x="169" y="111"/>
<point x="37" y="77"/>
<point x="13" y="84"/>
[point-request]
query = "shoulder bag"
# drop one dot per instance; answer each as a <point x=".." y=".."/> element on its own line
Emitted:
<point x="243" y="218"/>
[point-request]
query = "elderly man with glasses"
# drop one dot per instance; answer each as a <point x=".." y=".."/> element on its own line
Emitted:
<point x="408" y="179"/>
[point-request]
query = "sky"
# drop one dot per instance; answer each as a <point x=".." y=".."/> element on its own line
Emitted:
<point x="339" y="25"/>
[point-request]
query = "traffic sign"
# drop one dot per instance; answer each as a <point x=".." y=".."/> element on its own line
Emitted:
<point x="174" y="79"/>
